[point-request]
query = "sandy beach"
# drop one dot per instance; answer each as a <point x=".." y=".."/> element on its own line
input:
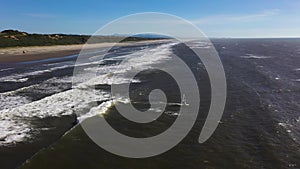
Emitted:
<point x="23" y="54"/>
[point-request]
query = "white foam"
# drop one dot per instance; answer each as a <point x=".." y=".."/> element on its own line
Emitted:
<point x="11" y="99"/>
<point x="99" y="110"/>
<point x="6" y="69"/>
<point x="13" y="128"/>
<point x="16" y="80"/>
<point x="170" y="113"/>
<point x="13" y="132"/>
<point x="159" y="50"/>
<point x="284" y="125"/>
<point x="202" y="45"/>
<point x="59" y="104"/>
<point x="21" y="77"/>
<point x="251" y="56"/>
<point x="76" y="100"/>
<point x="8" y="101"/>
<point x="114" y="74"/>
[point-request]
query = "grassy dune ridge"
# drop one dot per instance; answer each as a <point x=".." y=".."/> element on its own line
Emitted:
<point x="15" y="38"/>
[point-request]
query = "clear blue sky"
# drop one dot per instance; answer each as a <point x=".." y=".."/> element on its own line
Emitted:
<point x="216" y="18"/>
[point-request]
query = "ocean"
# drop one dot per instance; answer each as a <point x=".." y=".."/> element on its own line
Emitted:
<point x="42" y="106"/>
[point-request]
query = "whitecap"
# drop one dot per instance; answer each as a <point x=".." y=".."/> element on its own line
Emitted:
<point x="251" y="56"/>
<point x="99" y="110"/>
<point x="6" y="69"/>
<point x="16" y="80"/>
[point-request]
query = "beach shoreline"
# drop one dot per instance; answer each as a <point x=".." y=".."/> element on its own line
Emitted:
<point x="32" y="53"/>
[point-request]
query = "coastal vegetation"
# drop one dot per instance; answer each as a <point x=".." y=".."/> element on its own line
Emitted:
<point x="15" y="38"/>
